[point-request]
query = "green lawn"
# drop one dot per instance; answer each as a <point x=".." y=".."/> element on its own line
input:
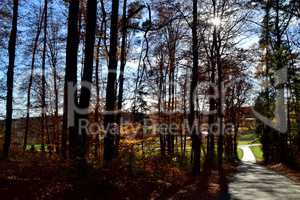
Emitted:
<point x="250" y="138"/>
<point x="37" y="147"/>
<point x="258" y="153"/>
<point x="247" y="139"/>
<point x="240" y="153"/>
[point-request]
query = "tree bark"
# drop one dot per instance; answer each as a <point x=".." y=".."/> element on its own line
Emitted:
<point x="220" y="109"/>
<point x="122" y="69"/>
<point x="53" y="56"/>
<point x="70" y="77"/>
<point x="110" y="118"/>
<point x="196" y="137"/>
<point x="35" y="45"/>
<point x="44" y="77"/>
<point x="10" y="79"/>
<point x="85" y="92"/>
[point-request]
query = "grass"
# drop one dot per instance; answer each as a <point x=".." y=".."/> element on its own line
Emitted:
<point x="245" y="139"/>
<point x="37" y="147"/>
<point x="240" y="153"/>
<point x="248" y="139"/>
<point x="258" y="153"/>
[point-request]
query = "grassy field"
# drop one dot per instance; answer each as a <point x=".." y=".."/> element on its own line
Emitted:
<point x="258" y="153"/>
<point x="245" y="139"/>
<point x="37" y="147"/>
<point x="248" y="139"/>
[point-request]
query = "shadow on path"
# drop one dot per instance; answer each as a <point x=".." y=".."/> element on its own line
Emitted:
<point x="257" y="182"/>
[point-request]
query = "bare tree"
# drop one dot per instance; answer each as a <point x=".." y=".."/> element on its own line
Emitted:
<point x="33" y="60"/>
<point x="44" y="106"/>
<point x="196" y="138"/>
<point x="110" y="118"/>
<point x="85" y="91"/>
<point x="70" y="76"/>
<point x="10" y="79"/>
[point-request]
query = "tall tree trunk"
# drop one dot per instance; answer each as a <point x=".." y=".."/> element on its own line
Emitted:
<point x="122" y="69"/>
<point x="85" y="92"/>
<point x="266" y="130"/>
<point x="53" y="61"/>
<point x="212" y="101"/>
<point x="160" y="102"/>
<point x="70" y="77"/>
<point x="110" y="118"/>
<point x="211" y="117"/>
<point x="171" y="92"/>
<point x="196" y="138"/>
<point x="56" y="118"/>
<point x="184" y="114"/>
<point x="235" y="135"/>
<point x="220" y="106"/>
<point x="35" y="45"/>
<point x="97" y="107"/>
<point x="10" y="79"/>
<point x="44" y="77"/>
<point x="281" y="87"/>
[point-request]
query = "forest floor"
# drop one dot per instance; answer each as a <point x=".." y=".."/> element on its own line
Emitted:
<point x="283" y="169"/>
<point x="40" y="177"/>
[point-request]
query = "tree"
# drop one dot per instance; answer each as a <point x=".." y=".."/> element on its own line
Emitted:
<point x="56" y="42"/>
<point x="275" y="57"/>
<point x="196" y="141"/>
<point x="110" y="106"/>
<point x="10" y="79"/>
<point x="122" y="68"/>
<point x="85" y="91"/>
<point x="70" y="76"/>
<point x="44" y="106"/>
<point x="33" y="60"/>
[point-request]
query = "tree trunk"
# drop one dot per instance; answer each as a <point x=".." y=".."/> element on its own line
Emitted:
<point x="70" y="77"/>
<point x="280" y="88"/>
<point x="35" y="45"/>
<point x="44" y="77"/>
<point x="56" y="118"/>
<point x="97" y="107"/>
<point x="110" y="118"/>
<point x="53" y="62"/>
<point x="220" y="108"/>
<point x="10" y="79"/>
<point x="196" y="138"/>
<point x="160" y="101"/>
<point x="85" y="92"/>
<point x="235" y="144"/>
<point x="122" y="68"/>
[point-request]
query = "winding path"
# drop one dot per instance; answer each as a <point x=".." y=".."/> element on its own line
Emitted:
<point x="254" y="182"/>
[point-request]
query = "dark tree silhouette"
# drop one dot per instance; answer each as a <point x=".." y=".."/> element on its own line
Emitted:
<point x="44" y="124"/>
<point x="33" y="60"/>
<point x="70" y="76"/>
<point x="85" y="92"/>
<point x="10" y="79"/>
<point x="110" y="118"/>
<point x="196" y="141"/>
<point x="122" y="67"/>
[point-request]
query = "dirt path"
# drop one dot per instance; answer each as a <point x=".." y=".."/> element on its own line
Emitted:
<point x="257" y="182"/>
